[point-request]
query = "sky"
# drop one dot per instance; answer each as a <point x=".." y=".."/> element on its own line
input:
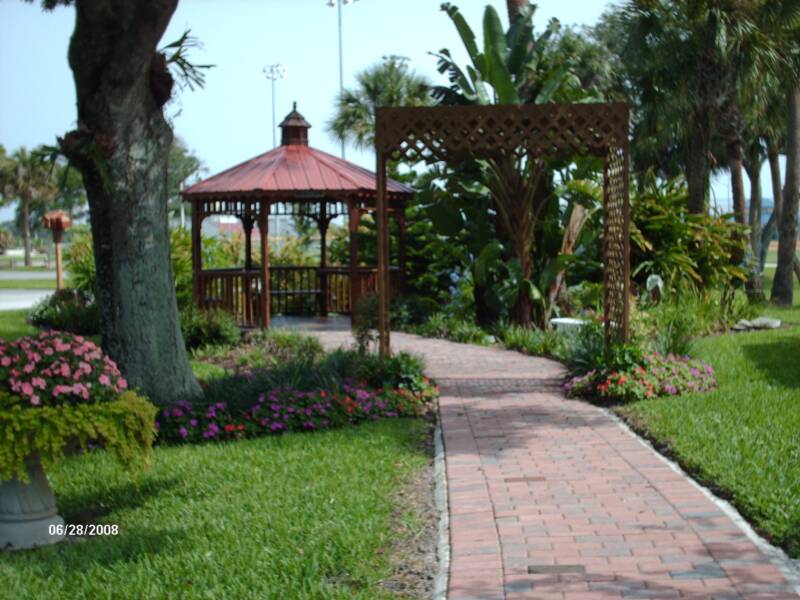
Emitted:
<point x="229" y="120"/>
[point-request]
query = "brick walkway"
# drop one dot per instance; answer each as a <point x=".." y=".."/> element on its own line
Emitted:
<point x="551" y="499"/>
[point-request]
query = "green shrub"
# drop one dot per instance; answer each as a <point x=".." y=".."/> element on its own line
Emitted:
<point x="586" y="351"/>
<point x="689" y="251"/>
<point x="336" y="370"/>
<point x="447" y="327"/>
<point x="68" y="309"/>
<point x="79" y="259"/>
<point x="261" y="350"/>
<point x="208" y="328"/>
<point x="81" y="267"/>
<point x="536" y="342"/>
<point x="124" y="426"/>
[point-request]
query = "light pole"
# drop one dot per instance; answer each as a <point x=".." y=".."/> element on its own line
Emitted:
<point x="273" y="73"/>
<point x="338" y="5"/>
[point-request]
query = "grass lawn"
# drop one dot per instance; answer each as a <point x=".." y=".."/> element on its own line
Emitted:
<point x="744" y="438"/>
<point x="29" y="284"/>
<point x="13" y="325"/>
<point x="296" y="516"/>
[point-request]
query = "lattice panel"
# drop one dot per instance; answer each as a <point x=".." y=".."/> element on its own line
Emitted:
<point x="616" y="242"/>
<point x="235" y="208"/>
<point x="452" y="133"/>
<point x="443" y="133"/>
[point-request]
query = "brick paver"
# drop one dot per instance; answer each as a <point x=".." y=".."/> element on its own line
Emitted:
<point x="551" y="499"/>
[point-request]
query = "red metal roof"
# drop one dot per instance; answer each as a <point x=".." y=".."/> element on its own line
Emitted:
<point x="294" y="168"/>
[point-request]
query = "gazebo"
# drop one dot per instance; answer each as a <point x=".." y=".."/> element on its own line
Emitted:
<point x="293" y="179"/>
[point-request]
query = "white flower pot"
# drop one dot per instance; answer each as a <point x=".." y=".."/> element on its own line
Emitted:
<point x="28" y="511"/>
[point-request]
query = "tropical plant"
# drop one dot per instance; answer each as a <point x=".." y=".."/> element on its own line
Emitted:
<point x="515" y="66"/>
<point x="25" y="177"/>
<point x="388" y="83"/>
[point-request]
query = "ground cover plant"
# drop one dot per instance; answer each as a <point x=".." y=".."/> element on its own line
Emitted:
<point x="292" y="516"/>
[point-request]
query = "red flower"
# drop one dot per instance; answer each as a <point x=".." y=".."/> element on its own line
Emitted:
<point x="229" y="428"/>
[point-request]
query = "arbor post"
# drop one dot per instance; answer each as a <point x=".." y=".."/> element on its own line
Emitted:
<point x="383" y="259"/>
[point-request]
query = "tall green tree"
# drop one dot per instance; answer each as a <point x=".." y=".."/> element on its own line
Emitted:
<point x="121" y="147"/>
<point x="389" y="83"/>
<point x="24" y="177"/>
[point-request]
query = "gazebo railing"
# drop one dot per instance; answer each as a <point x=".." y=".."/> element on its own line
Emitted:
<point x="293" y="290"/>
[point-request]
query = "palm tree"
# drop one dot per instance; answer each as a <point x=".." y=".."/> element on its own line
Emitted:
<point x="388" y="83"/>
<point x="24" y="176"/>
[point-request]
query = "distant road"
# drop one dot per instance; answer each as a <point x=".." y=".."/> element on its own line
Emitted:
<point x="13" y="275"/>
<point x="17" y="299"/>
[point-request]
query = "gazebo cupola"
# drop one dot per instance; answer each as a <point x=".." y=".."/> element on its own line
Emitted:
<point x="294" y="129"/>
<point x="296" y="180"/>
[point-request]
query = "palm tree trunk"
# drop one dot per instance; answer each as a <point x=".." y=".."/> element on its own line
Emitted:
<point x="697" y="168"/>
<point x="26" y="226"/>
<point x="777" y="193"/>
<point x="754" y="284"/>
<point x="782" y="290"/>
<point x="737" y="181"/>
<point x="122" y="84"/>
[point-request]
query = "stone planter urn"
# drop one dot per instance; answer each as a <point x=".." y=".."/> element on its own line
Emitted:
<point x="28" y="514"/>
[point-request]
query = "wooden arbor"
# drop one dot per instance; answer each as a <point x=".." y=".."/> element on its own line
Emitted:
<point x="297" y="180"/>
<point x="452" y="133"/>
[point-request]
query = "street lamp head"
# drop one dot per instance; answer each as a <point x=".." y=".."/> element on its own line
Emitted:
<point x="276" y="71"/>
<point x="332" y="3"/>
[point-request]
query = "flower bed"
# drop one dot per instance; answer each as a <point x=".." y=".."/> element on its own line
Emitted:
<point x="283" y="409"/>
<point x="659" y="375"/>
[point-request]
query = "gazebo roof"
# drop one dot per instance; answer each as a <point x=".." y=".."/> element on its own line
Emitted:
<point x="293" y="170"/>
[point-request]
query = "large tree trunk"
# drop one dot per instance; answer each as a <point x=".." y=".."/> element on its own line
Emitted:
<point x="122" y="147"/>
<point x="697" y="168"/>
<point x="737" y="181"/>
<point x="782" y="292"/>
<point x="26" y="226"/>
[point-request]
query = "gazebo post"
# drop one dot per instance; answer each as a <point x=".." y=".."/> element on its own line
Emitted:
<point x="197" y="255"/>
<point x="247" y="223"/>
<point x="354" y="221"/>
<point x="383" y="259"/>
<point x="322" y="223"/>
<point x="263" y="227"/>
<point x="400" y="218"/>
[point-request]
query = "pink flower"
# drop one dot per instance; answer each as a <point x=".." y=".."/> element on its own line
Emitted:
<point x="122" y="384"/>
<point x="6" y="361"/>
<point x="35" y="400"/>
<point x="27" y="389"/>
<point x="38" y="382"/>
<point x="104" y="379"/>
<point x="28" y="368"/>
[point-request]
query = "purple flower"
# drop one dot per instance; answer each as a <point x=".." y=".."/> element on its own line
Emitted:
<point x="183" y="432"/>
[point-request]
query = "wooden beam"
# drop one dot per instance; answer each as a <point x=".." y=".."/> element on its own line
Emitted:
<point x="383" y="259"/>
<point x="263" y="227"/>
